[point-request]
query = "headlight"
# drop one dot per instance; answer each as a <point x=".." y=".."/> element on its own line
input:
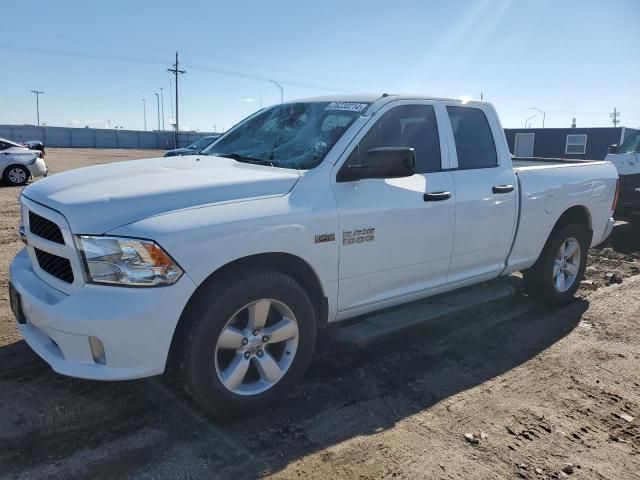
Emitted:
<point x="127" y="261"/>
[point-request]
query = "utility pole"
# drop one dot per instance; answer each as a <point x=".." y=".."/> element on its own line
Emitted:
<point x="162" y="102"/>
<point x="144" y="109"/>
<point x="614" y="117"/>
<point x="38" y="93"/>
<point x="175" y="70"/>
<point x="281" y="88"/>
<point x="158" y="103"/>
<point x="543" y="114"/>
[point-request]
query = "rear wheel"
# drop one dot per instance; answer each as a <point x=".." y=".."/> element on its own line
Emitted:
<point x="557" y="274"/>
<point x="16" y="175"/>
<point x="246" y="344"/>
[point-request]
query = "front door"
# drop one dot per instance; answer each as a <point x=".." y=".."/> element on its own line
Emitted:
<point x="394" y="240"/>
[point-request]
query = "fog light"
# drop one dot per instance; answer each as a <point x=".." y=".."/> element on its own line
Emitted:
<point x="97" y="350"/>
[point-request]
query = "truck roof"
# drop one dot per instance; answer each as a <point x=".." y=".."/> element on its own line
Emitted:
<point x="373" y="98"/>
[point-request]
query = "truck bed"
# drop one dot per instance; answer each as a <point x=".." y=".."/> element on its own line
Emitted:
<point x="523" y="162"/>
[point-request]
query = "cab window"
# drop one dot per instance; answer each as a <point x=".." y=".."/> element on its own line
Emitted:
<point x="412" y="126"/>
<point x="631" y="144"/>
<point x="474" y="141"/>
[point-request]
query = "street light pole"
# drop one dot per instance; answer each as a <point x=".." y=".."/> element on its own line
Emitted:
<point x="158" y="104"/>
<point x="162" y="102"/>
<point x="144" y="109"/>
<point x="38" y="93"/>
<point x="540" y="111"/>
<point x="525" y="122"/>
<point x="281" y="88"/>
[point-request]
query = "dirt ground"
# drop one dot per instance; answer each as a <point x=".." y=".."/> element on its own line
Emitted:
<point x="545" y="392"/>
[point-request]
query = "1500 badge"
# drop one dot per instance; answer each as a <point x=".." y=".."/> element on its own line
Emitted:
<point x="325" y="237"/>
<point x="358" y="235"/>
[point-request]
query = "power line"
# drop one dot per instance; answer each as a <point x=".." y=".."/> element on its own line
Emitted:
<point x="134" y="90"/>
<point x="92" y="56"/>
<point x="261" y="78"/>
<point x="196" y="66"/>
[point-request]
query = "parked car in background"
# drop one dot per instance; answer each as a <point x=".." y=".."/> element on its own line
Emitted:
<point x="626" y="158"/>
<point x="303" y="214"/>
<point x="18" y="163"/>
<point x="35" y="145"/>
<point x="193" y="149"/>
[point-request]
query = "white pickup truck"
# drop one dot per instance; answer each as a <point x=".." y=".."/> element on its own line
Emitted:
<point x="626" y="159"/>
<point x="226" y="263"/>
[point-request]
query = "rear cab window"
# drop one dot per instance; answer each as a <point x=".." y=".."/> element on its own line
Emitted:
<point x="474" y="141"/>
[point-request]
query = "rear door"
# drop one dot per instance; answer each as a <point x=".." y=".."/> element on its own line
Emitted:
<point x="486" y="193"/>
<point x="395" y="239"/>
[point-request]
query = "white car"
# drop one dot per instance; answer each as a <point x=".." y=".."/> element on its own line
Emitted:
<point x="626" y="158"/>
<point x="18" y="163"/>
<point x="225" y="264"/>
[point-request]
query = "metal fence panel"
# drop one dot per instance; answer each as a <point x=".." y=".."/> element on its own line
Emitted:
<point x="82" y="137"/>
<point x="107" y="138"/>
<point x="98" y="137"/>
<point x="58" y="136"/>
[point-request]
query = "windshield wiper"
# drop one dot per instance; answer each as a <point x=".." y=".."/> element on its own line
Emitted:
<point x="244" y="158"/>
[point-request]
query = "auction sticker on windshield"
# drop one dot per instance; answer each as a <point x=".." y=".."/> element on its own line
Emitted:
<point x="350" y="107"/>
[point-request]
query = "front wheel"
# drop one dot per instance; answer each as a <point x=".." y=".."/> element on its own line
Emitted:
<point x="16" y="175"/>
<point x="557" y="274"/>
<point x="247" y="342"/>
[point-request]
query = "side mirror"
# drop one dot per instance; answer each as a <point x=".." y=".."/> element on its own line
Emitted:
<point x="612" y="149"/>
<point x="383" y="162"/>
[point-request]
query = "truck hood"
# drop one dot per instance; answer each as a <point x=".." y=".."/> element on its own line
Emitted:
<point x="97" y="199"/>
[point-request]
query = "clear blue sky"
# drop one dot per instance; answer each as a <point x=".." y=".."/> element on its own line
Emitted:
<point x="97" y="60"/>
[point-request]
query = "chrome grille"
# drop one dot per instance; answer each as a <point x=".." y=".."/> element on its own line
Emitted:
<point x="45" y="228"/>
<point x="51" y="247"/>
<point x="54" y="265"/>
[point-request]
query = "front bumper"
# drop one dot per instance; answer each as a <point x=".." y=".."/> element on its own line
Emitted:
<point x="135" y="325"/>
<point x="629" y="199"/>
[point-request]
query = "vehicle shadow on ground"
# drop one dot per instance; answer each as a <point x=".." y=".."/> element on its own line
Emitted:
<point x="625" y="238"/>
<point x="347" y="392"/>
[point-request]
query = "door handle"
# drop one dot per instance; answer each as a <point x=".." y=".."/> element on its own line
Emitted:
<point x="502" y="188"/>
<point x="437" y="196"/>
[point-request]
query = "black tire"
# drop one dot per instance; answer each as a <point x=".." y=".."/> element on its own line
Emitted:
<point x="9" y="179"/>
<point x="539" y="279"/>
<point x="205" y="318"/>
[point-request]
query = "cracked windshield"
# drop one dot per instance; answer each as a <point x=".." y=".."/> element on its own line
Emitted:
<point x="297" y="135"/>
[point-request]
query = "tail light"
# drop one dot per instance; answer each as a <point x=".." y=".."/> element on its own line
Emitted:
<point x="616" y="195"/>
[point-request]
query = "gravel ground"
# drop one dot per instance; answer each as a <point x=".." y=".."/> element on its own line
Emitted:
<point x="510" y="390"/>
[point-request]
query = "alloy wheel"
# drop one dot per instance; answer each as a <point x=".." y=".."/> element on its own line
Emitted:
<point x="17" y="175"/>
<point x="256" y="347"/>
<point x="566" y="265"/>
